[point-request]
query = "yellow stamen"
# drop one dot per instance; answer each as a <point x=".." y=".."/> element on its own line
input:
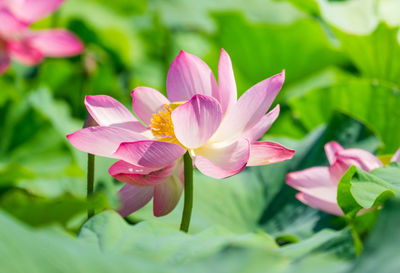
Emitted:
<point x="175" y="104"/>
<point x="161" y="124"/>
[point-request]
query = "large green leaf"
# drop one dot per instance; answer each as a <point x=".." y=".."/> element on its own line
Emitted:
<point x="358" y="189"/>
<point x="375" y="104"/>
<point x="197" y="14"/>
<point x="108" y="244"/>
<point x="356" y="16"/>
<point x="329" y="245"/>
<point x="376" y="55"/>
<point x="368" y="33"/>
<point x="261" y="50"/>
<point x="41" y="181"/>
<point x="54" y="251"/>
<point x="381" y="247"/>
<point x="309" y="6"/>
<point x="40" y="211"/>
<point x="163" y="243"/>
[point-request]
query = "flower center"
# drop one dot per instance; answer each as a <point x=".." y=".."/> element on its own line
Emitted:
<point x="161" y="125"/>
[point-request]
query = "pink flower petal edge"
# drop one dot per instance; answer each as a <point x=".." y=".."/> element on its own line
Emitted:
<point x="166" y="196"/>
<point x="187" y="76"/>
<point x="149" y="153"/>
<point x="139" y="176"/>
<point x="24" y="53"/>
<point x="250" y="108"/>
<point x="32" y="10"/>
<point x="222" y="161"/>
<point x="107" y="111"/>
<point x="134" y="198"/>
<point x="196" y="120"/>
<point x="396" y="156"/>
<point x="102" y="140"/>
<point x="146" y="102"/>
<point x="226" y="81"/>
<point x="262" y="126"/>
<point x="364" y="160"/>
<point x="265" y="152"/>
<point x="55" y="43"/>
<point x="332" y="149"/>
<point x="9" y="23"/>
<point x="320" y="204"/>
<point x="313" y="181"/>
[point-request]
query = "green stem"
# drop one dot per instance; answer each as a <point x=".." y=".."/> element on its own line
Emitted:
<point x="90" y="182"/>
<point x="188" y="189"/>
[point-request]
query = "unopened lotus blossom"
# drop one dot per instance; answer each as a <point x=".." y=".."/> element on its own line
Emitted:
<point x="199" y="116"/>
<point x="318" y="185"/>
<point x="27" y="46"/>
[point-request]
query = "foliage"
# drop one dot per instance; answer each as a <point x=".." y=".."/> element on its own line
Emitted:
<point x="342" y="84"/>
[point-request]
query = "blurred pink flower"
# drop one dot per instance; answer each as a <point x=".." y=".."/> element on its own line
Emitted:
<point x="29" y="47"/>
<point x="396" y="156"/>
<point x="219" y="131"/>
<point x="318" y="185"/>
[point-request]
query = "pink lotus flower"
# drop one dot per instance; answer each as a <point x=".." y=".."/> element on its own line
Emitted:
<point x="219" y="131"/>
<point x="27" y="46"/>
<point x="318" y="185"/>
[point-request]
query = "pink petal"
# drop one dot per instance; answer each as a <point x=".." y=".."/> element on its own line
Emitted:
<point x="396" y="156"/>
<point x="259" y="129"/>
<point x="363" y="159"/>
<point x="24" y="53"/>
<point x="135" y="126"/>
<point x="344" y="158"/>
<point x="107" y="111"/>
<point x="149" y="153"/>
<point x="139" y="176"/>
<point x="102" y="140"/>
<point x="134" y="198"/>
<point x="32" y="10"/>
<point x="317" y="190"/>
<point x="196" y="120"/>
<point x="332" y="149"/>
<point x="226" y="81"/>
<point x="321" y="204"/>
<point x="189" y="75"/>
<point x="341" y="165"/>
<point x="315" y="181"/>
<point x="55" y="43"/>
<point x="265" y="152"/>
<point x="166" y="195"/>
<point x="9" y="24"/>
<point x="250" y="108"/>
<point x="147" y="101"/>
<point x="4" y="61"/>
<point x="220" y="161"/>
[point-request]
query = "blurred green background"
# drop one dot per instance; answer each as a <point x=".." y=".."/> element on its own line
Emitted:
<point x="342" y="62"/>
